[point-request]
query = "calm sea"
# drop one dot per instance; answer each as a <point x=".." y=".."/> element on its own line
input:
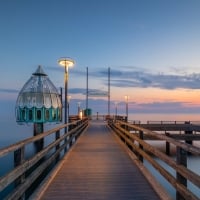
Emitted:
<point x="193" y="162"/>
<point x="164" y="117"/>
<point x="11" y="132"/>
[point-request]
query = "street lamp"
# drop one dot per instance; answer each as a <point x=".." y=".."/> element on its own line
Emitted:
<point x="126" y="99"/>
<point x="66" y="63"/>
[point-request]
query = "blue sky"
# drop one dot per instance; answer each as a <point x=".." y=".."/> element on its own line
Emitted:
<point x="151" y="46"/>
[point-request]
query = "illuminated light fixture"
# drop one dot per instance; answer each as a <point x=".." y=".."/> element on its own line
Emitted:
<point x="81" y="114"/>
<point x="66" y="62"/>
<point x="126" y="98"/>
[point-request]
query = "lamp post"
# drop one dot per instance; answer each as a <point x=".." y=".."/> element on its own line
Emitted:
<point x="66" y="63"/>
<point x="68" y="101"/>
<point x="126" y="99"/>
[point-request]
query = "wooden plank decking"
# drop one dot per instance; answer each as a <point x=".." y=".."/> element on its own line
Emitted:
<point x="97" y="167"/>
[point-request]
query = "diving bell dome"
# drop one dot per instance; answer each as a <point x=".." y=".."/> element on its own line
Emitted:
<point x="39" y="100"/>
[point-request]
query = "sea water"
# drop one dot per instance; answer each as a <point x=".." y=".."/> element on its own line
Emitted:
<point x="193" y="162"/>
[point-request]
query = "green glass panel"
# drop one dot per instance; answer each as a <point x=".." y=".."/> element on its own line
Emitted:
<point x="47" y="117"/>
<point x="30" y="115"/>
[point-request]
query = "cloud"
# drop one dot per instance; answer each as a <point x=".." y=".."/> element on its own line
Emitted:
<point x="158" y="107"/>
<point x="161" y="106"/>
<point x="91" y="92"/>
<point x="143" y="79"/>
<point x="81" y="72"/>
<point x="132" y="76"/>
<point x="168" y="107"/>
<point x="77" y="91"/>
<point x="2" y="90"/>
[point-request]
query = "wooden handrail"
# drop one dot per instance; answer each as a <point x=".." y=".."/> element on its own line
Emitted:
<point x="22" y="143"/>
<point x="26" y="165"/>
<point x="122" y="129"/>
<point x="189" y="148"/>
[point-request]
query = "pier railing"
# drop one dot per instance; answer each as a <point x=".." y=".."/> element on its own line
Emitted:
<point x="172" y="122"/>
<point x="136" y="143"/>
<point x="27" y="171"/>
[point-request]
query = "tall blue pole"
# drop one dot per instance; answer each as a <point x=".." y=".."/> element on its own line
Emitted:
<point x="87" y="90"/>
<point x="109" y="91"/>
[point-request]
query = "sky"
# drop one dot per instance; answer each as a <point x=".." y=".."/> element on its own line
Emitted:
<point x="152" y="48"/>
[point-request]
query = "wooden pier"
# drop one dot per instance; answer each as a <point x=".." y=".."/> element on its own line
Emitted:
<point x="103" y="159"/>
<point x="97" y="167"/>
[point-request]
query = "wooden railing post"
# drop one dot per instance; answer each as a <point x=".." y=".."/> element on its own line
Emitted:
<point x="167" y="145"/>
<point x="190" y="133"/>
<point x="19" y="158"/>
<point x="77" y="124"/>
<point x="38" y="128"/>
<point x="181" y="159"/>
<point x="57" y="136"/>
<point x="141" y="135"/>
<point x="66" y="139"/>
<point x="126" y="119"/>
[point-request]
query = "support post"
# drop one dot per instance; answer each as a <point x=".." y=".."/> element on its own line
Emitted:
<point x="61" y="100"/>
<point x="97" y="115"/>
<point x="66" y="104"/>
<point x="57" y="136"/>
<point x="188" y="132"/>
<point x="66" y="98"/>
<point x="87" y="91"/>
<point x="126" y="119"/>
<point x="167" y="144"/>
<point x="19" y="156"/>
<point x="38" y="128"/>
<point x="109" y="91"/>
<point x="181" y="159"/>
<point x="141" y="135"/>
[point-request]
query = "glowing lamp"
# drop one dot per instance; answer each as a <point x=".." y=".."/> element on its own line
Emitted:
<point x="66" y="62"/>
